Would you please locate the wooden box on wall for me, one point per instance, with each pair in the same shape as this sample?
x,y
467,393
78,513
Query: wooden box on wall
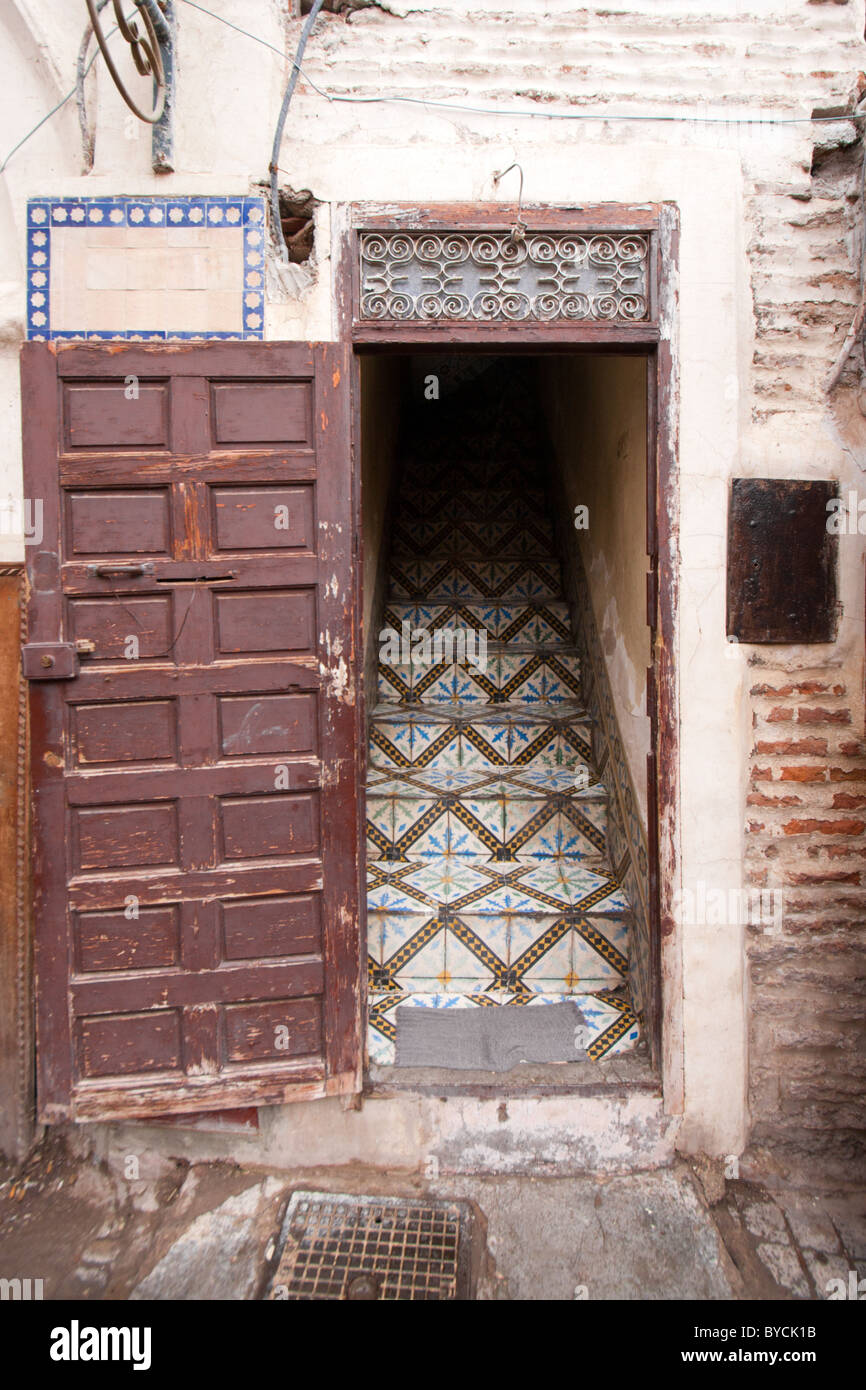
x,y
781,561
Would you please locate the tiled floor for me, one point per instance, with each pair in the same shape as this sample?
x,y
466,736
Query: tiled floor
x,y
488,881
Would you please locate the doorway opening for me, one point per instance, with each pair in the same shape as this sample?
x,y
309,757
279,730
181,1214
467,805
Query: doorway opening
x,y
503,507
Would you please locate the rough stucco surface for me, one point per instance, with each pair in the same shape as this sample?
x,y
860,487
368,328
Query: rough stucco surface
x,y
598,424
768,286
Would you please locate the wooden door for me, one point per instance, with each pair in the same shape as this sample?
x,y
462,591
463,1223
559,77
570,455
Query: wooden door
x,y
195,729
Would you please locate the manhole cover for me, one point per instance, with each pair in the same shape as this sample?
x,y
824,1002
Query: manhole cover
x,y
340,1247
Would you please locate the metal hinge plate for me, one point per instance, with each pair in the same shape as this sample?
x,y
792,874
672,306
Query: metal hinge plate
x,y
49,661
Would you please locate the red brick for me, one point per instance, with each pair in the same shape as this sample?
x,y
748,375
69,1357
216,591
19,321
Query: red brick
x,y
824,827
800,746
779,713
836,877
851,750
754,826
803,774
758,799
845,801
797,688
823,716
762,774
848,774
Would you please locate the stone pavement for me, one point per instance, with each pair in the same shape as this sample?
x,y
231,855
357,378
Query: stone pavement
x,y
165,1229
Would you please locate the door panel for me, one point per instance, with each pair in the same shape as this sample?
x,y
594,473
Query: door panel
x,y
196,782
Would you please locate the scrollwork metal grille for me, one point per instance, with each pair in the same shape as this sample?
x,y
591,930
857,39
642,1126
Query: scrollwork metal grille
x,y
490,276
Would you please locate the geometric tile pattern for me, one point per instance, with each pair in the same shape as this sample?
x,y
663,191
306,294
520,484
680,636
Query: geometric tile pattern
x,y
626,833
489,880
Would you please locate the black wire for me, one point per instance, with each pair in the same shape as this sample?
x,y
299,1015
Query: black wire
x,y
157,656
457,106
71,93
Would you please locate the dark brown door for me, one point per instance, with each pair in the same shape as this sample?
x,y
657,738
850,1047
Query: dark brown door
x,y
192,662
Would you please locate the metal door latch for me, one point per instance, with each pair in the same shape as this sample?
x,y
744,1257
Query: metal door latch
x,y
120,571
49,661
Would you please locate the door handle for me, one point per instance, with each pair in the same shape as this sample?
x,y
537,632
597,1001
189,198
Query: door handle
x,y
120,571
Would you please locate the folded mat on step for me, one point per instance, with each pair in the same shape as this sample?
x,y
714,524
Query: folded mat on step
x,y
490,1038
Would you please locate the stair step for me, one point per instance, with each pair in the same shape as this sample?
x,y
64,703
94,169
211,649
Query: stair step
x,y
541,952
612,1028
495,677
507,825
565,712
474,580
476,746
493,888
472,536
472,504
545,623
489,881
533,782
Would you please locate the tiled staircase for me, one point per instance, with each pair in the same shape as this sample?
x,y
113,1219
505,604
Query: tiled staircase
x,y
488,881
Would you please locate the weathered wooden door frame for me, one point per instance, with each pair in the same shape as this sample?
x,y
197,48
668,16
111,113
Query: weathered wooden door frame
x,y
656,339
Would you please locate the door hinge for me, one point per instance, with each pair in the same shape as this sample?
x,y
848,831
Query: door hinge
x,y
652,598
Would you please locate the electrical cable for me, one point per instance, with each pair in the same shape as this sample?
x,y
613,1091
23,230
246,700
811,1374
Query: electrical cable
x,y
71,93
526,111
277,225
511,112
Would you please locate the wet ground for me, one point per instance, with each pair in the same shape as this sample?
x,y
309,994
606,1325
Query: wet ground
x,y
157,1228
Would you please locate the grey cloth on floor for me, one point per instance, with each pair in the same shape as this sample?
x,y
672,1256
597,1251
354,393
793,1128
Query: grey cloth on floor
x,y
489,1038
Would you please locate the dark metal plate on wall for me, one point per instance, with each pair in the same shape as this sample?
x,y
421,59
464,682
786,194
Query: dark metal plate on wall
x,y
781,561
338,1247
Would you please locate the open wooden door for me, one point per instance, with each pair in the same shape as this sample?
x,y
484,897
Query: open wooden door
x,y
195,734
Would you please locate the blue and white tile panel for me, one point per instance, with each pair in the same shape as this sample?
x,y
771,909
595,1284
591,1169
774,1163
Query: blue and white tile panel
x,y
45,215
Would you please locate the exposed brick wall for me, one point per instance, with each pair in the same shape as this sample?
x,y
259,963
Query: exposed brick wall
x,y
806,823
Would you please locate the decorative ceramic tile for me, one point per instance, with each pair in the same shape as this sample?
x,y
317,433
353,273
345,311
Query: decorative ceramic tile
x,y
561,677
490,881
541,625
521,677
413,960
484,746
419,617
145,269
432,536
395,682
380,826
391,745
626,832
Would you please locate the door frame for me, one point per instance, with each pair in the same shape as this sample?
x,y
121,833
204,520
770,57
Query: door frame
x,y
655,338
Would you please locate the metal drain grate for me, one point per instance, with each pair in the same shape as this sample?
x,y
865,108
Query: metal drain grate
x,y
340,1247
